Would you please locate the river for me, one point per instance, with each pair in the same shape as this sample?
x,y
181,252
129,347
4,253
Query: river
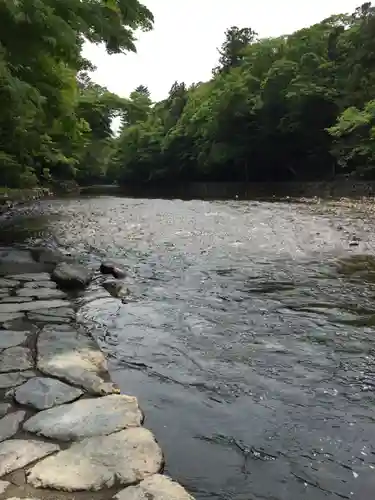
x,y
248,335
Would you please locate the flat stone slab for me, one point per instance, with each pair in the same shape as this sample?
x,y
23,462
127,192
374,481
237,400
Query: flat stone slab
x,y
30,277
41,293
10,424
16,453
15,359
126,457
7,283
5,317
42,393
15,300
40,284
9,338
71,356
3,486
32,306
14,379
156,487
4,408
86,418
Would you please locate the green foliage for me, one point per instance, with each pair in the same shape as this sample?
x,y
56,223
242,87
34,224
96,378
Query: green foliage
x,y
296,107
51,115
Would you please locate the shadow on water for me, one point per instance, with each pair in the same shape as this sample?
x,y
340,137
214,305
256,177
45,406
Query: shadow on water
x,y
247,336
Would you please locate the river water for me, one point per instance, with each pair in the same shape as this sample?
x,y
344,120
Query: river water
x,y
247,336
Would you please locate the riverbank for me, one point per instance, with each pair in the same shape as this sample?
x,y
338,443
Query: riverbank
x,y
65,429
9,198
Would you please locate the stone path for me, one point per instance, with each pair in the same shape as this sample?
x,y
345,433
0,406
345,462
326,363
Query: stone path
x,y
64,427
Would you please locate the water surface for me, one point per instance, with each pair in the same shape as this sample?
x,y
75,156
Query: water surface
x,y
247,337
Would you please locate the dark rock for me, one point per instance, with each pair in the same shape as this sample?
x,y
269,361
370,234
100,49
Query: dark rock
x,y
19,261
72,275
111,268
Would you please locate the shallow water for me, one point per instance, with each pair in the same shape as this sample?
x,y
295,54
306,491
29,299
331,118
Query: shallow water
x,y
247,337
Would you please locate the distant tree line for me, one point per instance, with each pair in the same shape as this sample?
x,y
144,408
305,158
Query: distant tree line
x,y
297,107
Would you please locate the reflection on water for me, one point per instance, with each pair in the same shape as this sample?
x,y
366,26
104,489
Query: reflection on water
x,y
248,336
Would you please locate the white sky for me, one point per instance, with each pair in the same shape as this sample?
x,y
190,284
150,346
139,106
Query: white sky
x,y
187,33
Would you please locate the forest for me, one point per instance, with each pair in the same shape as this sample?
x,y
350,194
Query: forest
x,y
296,107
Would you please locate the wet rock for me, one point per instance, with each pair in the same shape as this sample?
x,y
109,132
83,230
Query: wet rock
x,y
95,463
3,486
16,453
15,359
4,408
41,293
31,306
15,379
9,338
31,277
42,393
10,424
5,317
111,268
116,288
87,418
72,275
156,487
73,357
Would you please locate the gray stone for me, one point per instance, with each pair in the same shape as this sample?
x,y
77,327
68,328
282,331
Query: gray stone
x,y
156,487
41,293
3,486
16,453
40,284
15,359
4,317
10,424
19,256
8,338
31,306
116,288
4,408
86,418
15,300
66,312
30,277
6,283
72,275
126,457
14,379
71,356
45,393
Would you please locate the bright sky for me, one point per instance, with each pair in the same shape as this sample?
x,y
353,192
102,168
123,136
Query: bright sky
x,y
183,45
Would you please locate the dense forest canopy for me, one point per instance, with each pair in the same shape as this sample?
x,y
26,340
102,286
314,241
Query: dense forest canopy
x,y
296,107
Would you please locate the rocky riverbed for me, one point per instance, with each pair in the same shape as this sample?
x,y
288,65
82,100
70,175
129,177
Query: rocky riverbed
x,y
65,429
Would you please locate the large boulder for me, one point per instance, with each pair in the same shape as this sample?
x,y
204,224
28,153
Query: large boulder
x,y
72,275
